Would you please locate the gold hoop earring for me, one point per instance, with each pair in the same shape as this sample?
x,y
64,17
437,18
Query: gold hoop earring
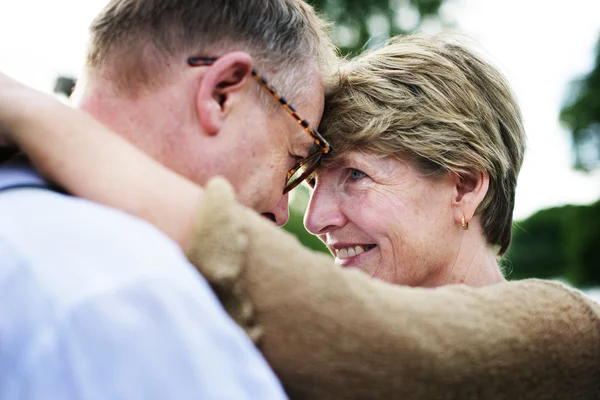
x,y
464,223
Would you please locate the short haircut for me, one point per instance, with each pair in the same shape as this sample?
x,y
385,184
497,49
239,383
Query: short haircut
x,y
138,38
434,102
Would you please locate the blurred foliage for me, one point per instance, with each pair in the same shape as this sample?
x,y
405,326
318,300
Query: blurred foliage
x,y
538,246
581,115
358,21
561,242
295,225
583,245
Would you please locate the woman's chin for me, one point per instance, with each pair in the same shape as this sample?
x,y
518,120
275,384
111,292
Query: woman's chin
x,y
357,260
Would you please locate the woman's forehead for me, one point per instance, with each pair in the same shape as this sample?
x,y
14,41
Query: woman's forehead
x,y
358,159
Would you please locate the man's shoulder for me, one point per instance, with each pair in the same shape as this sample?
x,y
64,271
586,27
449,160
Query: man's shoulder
x,y
32,213
64,240
119,299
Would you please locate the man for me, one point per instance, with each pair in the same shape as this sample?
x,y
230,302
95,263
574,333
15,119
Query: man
x,y
98,304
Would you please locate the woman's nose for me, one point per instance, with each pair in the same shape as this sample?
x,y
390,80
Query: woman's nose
x,y
323,213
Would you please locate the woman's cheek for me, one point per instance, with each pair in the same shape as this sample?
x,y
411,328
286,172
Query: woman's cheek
x,y
372,210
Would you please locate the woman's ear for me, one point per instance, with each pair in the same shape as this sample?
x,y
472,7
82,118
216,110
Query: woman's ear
x,y
469,191
221,88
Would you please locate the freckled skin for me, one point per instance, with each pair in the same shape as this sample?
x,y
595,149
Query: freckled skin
x,y
389,204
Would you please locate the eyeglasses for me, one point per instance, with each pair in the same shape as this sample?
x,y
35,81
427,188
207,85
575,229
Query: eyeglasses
x,y
303,168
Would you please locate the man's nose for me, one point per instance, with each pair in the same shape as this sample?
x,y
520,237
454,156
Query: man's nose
x,y
323,213
280,213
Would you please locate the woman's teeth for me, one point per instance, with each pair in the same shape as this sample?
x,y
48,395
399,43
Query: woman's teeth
x,y
348,252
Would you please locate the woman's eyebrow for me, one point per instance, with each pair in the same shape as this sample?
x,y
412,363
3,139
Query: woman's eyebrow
x,y
355,160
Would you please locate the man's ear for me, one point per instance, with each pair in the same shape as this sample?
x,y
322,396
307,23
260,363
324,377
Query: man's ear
x,y
222,85
469,191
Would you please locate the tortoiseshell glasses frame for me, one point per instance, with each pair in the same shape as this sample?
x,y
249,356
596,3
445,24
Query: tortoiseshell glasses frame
x,y
303,168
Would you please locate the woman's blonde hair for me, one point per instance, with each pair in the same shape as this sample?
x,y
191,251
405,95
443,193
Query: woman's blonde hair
x,y
431,100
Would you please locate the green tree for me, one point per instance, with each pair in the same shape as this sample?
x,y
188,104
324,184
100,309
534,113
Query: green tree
x,y
582,233
538,246
358,21
581,115
560,242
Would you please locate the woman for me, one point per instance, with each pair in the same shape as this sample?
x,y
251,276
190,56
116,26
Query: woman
x,y
423,181
334,333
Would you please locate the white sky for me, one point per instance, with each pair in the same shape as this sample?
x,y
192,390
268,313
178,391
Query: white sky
x,y
539,44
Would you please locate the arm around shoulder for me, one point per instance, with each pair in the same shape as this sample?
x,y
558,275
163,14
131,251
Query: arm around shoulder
x,y
333,333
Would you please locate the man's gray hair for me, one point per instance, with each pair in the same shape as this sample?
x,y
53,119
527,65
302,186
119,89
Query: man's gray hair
x,y
137,38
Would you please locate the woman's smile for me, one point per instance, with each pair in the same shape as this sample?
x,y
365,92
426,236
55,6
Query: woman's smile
x,y
351,255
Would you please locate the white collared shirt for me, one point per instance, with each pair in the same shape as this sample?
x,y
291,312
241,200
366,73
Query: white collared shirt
x,y
97,304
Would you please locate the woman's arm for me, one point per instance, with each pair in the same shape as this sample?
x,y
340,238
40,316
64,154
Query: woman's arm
x,y
333,333
72,149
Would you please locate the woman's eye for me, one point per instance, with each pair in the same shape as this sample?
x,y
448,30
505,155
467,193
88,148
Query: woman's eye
x,y
356,174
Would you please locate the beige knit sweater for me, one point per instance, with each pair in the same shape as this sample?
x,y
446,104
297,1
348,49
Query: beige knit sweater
x,y
330,333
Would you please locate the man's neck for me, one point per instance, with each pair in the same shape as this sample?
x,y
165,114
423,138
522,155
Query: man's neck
x,y
147,119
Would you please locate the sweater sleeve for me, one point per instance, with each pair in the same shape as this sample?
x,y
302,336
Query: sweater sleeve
x,y
331,333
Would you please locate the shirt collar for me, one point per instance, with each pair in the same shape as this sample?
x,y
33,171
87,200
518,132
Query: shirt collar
x,y
18,172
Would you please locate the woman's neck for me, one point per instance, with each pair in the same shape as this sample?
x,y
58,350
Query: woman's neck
x,y
481,270
475,263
